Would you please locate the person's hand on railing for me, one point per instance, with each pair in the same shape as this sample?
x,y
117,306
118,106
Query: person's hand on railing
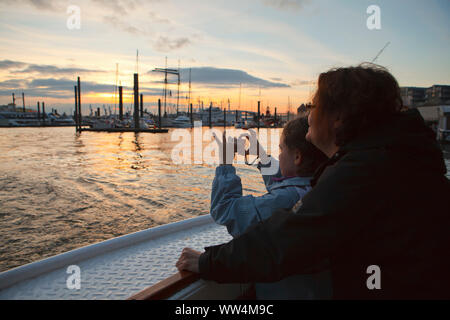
x,y
188,260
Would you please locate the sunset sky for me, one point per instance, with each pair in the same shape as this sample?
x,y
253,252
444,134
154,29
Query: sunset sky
x,y
274,48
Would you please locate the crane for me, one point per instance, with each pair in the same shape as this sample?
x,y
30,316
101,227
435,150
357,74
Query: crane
x,y
167,71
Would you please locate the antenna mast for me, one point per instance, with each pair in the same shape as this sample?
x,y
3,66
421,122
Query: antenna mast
x,y
240,89
115,88
381,51
178,93
189,103
137,61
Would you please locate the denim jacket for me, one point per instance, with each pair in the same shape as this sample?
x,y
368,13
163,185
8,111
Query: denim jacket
x,y
229,207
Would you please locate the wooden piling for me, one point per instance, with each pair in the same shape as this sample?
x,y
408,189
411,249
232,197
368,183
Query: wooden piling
x,y
23,101
38,111
159,113
191,115
259,114
142,105
43,111
136,101
210,107
79,103
77,125
120,103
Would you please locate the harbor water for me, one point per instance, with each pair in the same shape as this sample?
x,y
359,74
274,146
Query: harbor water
x,y
60,190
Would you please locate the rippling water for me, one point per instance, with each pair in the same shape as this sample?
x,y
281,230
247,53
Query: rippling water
x,y
60,191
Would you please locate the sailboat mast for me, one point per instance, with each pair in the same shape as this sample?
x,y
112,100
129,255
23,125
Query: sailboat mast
x,y
178,93
240,88
165,89
115,88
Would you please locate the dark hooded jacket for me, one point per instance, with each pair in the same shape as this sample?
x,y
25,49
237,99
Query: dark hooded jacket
x,y
382,200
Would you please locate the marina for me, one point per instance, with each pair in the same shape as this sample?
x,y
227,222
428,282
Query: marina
x,y
231,150
98,200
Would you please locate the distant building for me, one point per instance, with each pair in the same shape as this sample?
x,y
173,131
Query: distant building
x,y
414,97
438,94
11,107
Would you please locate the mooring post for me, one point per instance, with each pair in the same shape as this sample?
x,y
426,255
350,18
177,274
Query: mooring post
x,y
76,109
120,104
210,107
259,114
38,111
159,113
136,101
43,111
191,115
79,103
142,105
257,119
276,116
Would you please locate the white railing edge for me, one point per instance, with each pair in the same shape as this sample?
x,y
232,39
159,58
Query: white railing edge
x,y
13,276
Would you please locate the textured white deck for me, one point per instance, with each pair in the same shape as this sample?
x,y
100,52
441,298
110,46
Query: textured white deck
x,y
120,273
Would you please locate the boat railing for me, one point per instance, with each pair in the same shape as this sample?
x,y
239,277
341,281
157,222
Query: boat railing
x,y
167,287
186,285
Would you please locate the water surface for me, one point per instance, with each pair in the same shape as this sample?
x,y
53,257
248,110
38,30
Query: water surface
x,y
60,190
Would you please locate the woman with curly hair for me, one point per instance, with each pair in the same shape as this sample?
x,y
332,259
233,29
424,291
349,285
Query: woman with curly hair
x,y
377,215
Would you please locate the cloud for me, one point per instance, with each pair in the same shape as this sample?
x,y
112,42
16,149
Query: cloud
x,y
286,4
303,82
53,70
62,88
123,25
164,44
217,77
119,7
157,19
9,64
38,4
12,84
24,67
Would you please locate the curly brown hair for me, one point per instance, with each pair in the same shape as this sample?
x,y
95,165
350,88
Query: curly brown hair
x,y
294,133
361,97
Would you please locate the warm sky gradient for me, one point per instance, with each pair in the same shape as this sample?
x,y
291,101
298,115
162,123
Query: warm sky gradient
x,y
275,48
